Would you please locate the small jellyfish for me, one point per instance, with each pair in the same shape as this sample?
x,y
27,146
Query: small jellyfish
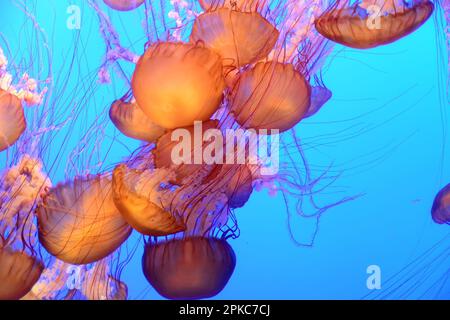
x,y
319,96
132,122
168,154
239,37
176,84
12,119
123,5
236,181
440,211
79,222
135,194
99,284
372,23
271,95
18,273
190,268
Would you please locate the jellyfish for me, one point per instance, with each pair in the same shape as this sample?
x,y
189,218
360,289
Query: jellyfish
x,y
271,95
79,222
12,119
372,23
236,181
99,284
123,5
169,154
176,84
189,268
18,273
241,5
136,195
132,122
319,96
440,211
240,38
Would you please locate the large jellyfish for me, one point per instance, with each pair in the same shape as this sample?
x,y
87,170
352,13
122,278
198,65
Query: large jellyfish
x,y
136,197
271,95
176,84
239,37
191,268
79,222
371,23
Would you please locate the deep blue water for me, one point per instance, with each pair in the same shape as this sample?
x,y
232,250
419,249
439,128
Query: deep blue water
x,y
382,130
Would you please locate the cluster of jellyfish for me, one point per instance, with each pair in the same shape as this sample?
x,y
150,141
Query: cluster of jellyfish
x,y
229,64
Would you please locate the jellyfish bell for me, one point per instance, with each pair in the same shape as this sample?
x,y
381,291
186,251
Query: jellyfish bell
x,y
123,5
240,38
271,95
99,284
176,84
190,268
241,5
18,273
78,221
12,119
320,95
169,151
135,193
354,27
235,180
132,122
440,211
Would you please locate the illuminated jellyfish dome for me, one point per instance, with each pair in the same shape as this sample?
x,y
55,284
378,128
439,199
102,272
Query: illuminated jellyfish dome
x,y
155,151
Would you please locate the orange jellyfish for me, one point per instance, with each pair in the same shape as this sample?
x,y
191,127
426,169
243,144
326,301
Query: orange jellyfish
x,y
236,181
12,119
239,37
372,23
18,273
123,5
176,84
190,268
167,155
99,284
132,122
79,222
241,5
440,211
136,195
271,95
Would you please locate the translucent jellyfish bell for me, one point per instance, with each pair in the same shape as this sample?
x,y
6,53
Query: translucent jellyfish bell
x,y
176,84
166,152
191,268
271,95
18,273
354,27
99,284
236,181
440,210
241,5
12,119
239,37
79,222
132,122
135,194
123,5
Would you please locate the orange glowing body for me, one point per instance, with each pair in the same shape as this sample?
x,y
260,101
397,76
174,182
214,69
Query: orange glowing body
x,y
176,84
